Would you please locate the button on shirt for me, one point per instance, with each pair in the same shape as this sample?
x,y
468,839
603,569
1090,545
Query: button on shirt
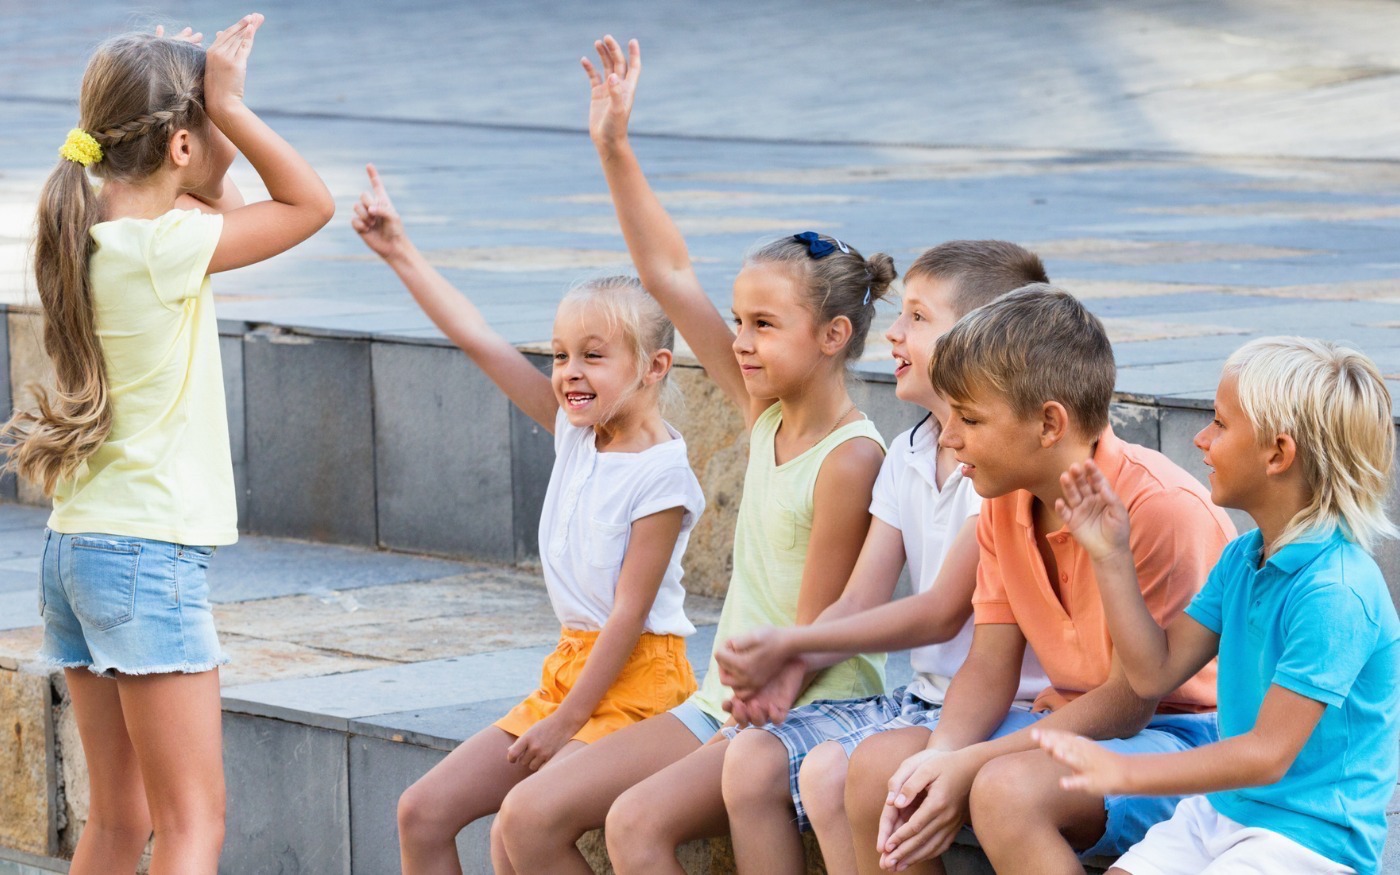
x,y
1316,619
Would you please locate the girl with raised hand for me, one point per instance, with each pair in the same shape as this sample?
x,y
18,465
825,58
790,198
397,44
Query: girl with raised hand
x,y
618,512
133,442
802,307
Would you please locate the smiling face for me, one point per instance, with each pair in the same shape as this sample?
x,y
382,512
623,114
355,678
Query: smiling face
x,y
1238,463
775,338
925,314
595,372
996,446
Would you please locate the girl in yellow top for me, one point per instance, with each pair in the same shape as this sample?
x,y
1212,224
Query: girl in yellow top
x,y
133,443
802,307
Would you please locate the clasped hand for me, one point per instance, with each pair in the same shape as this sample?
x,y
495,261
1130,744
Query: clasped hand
x,y
926,807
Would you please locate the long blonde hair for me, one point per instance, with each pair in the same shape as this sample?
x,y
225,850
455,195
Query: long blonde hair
x,y
1334,404
137,91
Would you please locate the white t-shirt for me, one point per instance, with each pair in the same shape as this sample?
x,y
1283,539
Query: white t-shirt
x,y
592,500
908,497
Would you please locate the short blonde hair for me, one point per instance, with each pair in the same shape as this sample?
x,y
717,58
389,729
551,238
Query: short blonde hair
x,y
1334,403
1033,345
625,306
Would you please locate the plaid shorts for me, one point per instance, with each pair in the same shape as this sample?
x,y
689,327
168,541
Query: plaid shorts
x,y
845,721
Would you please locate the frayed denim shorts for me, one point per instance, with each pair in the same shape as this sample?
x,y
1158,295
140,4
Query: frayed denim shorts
x,y
119,605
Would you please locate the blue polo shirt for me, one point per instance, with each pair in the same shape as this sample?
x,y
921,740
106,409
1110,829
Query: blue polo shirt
x,y
1316,619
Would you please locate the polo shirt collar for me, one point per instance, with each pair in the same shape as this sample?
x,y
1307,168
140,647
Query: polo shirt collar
x,y
1295,555
1108,455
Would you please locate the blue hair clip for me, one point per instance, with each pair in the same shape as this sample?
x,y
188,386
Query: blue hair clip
x,y
816,246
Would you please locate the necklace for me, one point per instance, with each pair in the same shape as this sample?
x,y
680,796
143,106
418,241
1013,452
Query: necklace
x,y
832,430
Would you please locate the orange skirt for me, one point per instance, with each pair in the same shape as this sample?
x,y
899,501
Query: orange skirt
x,y
656,678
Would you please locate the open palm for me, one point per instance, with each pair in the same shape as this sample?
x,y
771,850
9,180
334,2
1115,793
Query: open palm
x,y
614,84
1092,511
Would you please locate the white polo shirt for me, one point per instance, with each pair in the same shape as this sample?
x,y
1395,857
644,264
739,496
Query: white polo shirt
x,y
908,497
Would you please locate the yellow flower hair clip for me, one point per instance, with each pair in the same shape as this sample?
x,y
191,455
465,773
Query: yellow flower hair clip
x,y
80,147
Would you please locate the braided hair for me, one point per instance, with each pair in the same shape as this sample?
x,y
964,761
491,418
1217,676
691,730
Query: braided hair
x,y
137,92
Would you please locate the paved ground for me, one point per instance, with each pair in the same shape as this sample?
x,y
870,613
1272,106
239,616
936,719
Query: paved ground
x,y
1201,173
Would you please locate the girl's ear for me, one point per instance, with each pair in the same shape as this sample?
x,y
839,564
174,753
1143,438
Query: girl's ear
x,y
1054,423
659,366
836,335
181,148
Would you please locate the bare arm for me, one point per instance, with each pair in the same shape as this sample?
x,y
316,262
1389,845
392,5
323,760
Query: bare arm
x,y
1260,756
300,204
1155,661
649,548
655,243
381,228
864,620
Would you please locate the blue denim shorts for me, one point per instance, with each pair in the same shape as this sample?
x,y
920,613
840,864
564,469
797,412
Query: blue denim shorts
x,y
119,605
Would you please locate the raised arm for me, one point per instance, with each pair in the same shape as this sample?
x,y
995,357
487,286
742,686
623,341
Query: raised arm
x,y
1155,661
300,204
655,243
381,228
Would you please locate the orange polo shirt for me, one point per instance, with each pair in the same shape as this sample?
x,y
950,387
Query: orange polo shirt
x,y
1177,536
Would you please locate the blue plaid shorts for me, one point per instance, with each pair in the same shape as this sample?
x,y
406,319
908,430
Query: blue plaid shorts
x,y
845,721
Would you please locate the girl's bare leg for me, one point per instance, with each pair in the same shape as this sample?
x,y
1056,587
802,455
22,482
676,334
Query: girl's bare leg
x,y
679,803
174,723
822,781
119,823
758,798
469,783
542,819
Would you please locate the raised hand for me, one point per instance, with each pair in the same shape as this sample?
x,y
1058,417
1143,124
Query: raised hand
x,y
226,65
376,220
749,661
1096,769
188,35
926,807
614,88
1092,511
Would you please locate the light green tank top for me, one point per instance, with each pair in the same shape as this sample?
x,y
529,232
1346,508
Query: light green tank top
x,y
770,548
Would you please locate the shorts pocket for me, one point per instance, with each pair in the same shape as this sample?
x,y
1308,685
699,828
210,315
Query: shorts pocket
x,y
607,542
103,572
48,563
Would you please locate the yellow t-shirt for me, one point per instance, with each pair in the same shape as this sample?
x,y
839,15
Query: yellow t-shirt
x,y
166,471
770,551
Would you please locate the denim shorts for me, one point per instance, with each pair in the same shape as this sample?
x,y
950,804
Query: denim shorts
x,y
700,724
119,605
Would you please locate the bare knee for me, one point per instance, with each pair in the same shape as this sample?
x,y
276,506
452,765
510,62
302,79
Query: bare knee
x,y
868,775
532,823
822,782
1015,797
419,816
125,833
755,773
635,844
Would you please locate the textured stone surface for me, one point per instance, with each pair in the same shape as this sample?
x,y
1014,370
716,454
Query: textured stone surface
x,y
310,438
531,461
442,432
288,799
27,771
231,356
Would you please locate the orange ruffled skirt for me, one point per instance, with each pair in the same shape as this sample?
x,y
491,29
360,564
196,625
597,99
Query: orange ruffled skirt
x,y
656,678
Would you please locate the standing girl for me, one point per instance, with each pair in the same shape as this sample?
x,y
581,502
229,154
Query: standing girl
x,y
802,307
618,512
133,444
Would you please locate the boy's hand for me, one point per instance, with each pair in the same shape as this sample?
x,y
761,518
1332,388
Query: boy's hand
x,y
541,742
926,807
376,220
226,66
610,105
747,662
187,35
1096,770
1092,511
772,702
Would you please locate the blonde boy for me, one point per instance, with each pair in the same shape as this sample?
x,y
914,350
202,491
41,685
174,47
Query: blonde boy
x,y
1298,612
923,512
1029,378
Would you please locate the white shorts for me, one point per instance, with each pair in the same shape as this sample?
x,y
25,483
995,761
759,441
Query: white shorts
x,y
1199,839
